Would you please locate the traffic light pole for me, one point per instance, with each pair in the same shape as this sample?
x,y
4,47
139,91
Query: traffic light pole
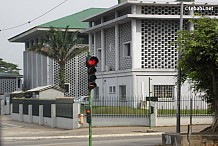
x,y
91,62
90,124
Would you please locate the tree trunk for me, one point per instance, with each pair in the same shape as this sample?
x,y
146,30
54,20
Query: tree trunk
x,y
214,126
62,75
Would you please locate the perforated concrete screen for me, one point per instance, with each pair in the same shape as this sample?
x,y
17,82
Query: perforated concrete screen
x,y
75,75
124,11
7,85
98,46
175,10
162,10
124,37
156,51
110,48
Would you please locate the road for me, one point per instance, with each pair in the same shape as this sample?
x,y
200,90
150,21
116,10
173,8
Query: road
x,y
112,141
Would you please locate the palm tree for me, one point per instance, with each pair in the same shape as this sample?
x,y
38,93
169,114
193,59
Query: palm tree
x,y
7,67
60,46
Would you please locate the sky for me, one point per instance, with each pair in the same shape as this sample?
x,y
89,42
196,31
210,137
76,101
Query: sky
x,y
17,12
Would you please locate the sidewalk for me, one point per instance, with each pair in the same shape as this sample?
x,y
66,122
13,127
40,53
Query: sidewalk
x,y
15,130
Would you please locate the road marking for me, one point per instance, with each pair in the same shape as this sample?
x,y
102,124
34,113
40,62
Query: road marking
x,y
82,136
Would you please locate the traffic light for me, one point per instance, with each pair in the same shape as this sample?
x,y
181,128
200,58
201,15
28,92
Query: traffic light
x,y
91,62
152,109
88,116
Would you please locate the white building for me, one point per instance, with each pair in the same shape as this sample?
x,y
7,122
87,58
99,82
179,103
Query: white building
x,y
40,70
132,41
46,92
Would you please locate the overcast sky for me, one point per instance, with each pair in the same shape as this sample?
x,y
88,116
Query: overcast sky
x,y
16,12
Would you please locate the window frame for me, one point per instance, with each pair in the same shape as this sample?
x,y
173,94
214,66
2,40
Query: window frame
x,y
65,84
168,91
127,50
112,89
99,56
96,93
122,98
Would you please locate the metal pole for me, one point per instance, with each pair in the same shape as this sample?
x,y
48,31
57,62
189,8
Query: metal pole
x,y
149,96
179,77
90,124
90,107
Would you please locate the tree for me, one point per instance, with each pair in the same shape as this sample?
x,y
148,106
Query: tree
x,y
6,67
60,46
199,61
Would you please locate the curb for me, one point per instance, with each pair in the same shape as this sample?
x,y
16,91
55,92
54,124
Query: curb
x,y
82,136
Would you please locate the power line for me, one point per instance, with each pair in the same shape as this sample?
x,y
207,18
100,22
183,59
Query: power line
x,y
9,28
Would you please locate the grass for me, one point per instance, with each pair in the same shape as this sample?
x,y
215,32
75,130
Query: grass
x,y
116,110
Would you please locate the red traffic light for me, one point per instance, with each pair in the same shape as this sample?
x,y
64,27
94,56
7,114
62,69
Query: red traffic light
x,y
88,111
91,61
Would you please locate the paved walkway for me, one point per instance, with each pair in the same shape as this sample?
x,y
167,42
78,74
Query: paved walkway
x,y
15,130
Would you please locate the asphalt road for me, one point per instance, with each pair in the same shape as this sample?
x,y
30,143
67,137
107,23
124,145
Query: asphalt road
x,y
112,141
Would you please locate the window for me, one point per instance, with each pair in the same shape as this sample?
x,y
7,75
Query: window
x,y
164,91
126,49
67,87
27,45
19,83
122,92
99,54
112,89
96,93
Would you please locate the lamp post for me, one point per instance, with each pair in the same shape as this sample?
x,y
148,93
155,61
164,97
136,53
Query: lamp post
x,y
178,114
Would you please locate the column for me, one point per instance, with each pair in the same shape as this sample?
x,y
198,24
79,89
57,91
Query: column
x,y
20,112
30,114
41,118
90,42
76,111
117,47
102,50
53,115
136,44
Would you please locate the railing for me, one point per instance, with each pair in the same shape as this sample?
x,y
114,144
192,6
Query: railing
x,y
196,107
64,107
136,107
114,107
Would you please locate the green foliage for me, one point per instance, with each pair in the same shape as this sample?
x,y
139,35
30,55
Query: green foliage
x,y
6,67
199,61
61,46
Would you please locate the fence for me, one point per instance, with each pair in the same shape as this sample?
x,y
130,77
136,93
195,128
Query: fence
x,y
61,113
113,107
195,106
64,107
135,107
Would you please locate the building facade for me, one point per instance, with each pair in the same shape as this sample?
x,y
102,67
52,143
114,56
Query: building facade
x,y
132,41
10,83
40,70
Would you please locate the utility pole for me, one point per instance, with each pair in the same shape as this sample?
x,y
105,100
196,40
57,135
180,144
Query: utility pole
x,y
178,113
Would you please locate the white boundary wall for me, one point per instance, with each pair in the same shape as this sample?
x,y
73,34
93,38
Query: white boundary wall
x,y
171,121
67,123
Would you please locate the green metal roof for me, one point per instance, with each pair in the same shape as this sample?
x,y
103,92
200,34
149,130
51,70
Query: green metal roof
x,y
74,20
9,75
